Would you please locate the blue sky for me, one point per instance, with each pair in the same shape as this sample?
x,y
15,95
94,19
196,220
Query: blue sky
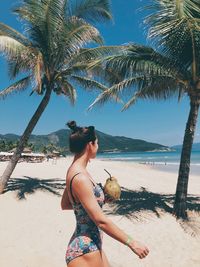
x,y
161,122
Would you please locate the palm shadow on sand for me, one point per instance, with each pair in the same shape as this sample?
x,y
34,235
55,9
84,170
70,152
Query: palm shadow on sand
x,y
143,205
29,185
137,205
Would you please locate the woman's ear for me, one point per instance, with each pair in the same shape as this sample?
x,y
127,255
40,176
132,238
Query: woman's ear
x,y
88,146
91,146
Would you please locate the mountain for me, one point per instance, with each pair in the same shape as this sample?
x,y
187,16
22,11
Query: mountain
x,y
195,147
9,137
107,143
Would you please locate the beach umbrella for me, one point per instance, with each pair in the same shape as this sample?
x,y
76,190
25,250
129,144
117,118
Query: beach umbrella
x,y
27,150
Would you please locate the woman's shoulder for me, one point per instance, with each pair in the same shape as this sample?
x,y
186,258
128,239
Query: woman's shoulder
x,y
79,173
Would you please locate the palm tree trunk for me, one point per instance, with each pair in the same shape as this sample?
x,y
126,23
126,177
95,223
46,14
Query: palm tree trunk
x,y
23,140
180,205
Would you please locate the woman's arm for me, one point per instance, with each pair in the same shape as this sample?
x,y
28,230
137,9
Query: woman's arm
x,y
65,202
90,204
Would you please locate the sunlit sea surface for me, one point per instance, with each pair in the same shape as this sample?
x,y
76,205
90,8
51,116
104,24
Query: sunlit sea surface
x,y
171,157
165,161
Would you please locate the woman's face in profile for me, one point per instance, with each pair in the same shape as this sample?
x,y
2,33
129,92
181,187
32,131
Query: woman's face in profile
x,y
94,148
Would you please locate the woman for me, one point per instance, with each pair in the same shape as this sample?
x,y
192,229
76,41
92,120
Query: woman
x,y
86,198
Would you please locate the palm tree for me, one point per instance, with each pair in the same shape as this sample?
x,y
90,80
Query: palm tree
x,y
44,150
47,53
171,69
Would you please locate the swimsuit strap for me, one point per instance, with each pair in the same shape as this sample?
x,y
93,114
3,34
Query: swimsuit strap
x,y
70,186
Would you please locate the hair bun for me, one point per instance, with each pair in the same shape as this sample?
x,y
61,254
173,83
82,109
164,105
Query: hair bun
x,y
91,128
72,125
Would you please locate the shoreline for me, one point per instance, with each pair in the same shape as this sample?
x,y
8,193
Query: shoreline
x,y
160,166
172,168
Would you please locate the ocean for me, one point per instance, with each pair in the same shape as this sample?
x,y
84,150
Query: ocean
x,y
164,161
158,158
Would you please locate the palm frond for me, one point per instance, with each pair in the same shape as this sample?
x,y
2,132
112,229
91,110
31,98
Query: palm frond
x,y
30,10
59,36
24,62
103,98
59,27
16,87
6,30
18,49
174,27
38,70
20,57
54,24
143,86
76,27
78,68
156,92
91,10
10,46
136,59
161,89
56,14
13,48
76,33
67,89
181,93
93,61
149,86
98,53
131,101
88,83
38,23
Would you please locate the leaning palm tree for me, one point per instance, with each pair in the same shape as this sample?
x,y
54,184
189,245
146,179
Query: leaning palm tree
x,y
171,69
47,53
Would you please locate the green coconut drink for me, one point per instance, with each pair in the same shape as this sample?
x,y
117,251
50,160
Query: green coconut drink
x,y
112,188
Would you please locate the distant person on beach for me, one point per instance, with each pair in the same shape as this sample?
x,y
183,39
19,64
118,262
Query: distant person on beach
x,y
86,198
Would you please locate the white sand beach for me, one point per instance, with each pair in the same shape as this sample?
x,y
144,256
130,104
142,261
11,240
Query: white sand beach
x,y
34,231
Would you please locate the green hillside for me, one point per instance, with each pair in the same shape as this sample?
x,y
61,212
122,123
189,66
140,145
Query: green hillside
x,y
195,147
106,142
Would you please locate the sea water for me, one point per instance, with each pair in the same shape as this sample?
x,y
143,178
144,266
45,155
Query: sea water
x,y
157,158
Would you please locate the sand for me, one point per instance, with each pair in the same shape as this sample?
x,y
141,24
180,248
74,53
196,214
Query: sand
x,y
34,231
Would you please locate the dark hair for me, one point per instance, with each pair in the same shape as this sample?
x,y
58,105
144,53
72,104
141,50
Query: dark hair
x,y
80,137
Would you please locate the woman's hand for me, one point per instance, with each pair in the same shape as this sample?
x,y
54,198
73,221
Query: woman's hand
x,y
139,249
108,199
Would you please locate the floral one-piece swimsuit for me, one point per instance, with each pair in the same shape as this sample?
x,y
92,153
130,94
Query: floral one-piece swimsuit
x,y
87,237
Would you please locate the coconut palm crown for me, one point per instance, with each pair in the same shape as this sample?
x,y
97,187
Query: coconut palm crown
x,y
170,69
46,56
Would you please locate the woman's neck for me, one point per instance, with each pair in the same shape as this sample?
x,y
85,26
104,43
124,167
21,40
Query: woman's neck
x,y
82,160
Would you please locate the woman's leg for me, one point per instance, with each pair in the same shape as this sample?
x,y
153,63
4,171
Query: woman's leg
x,y
96,258
105,260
